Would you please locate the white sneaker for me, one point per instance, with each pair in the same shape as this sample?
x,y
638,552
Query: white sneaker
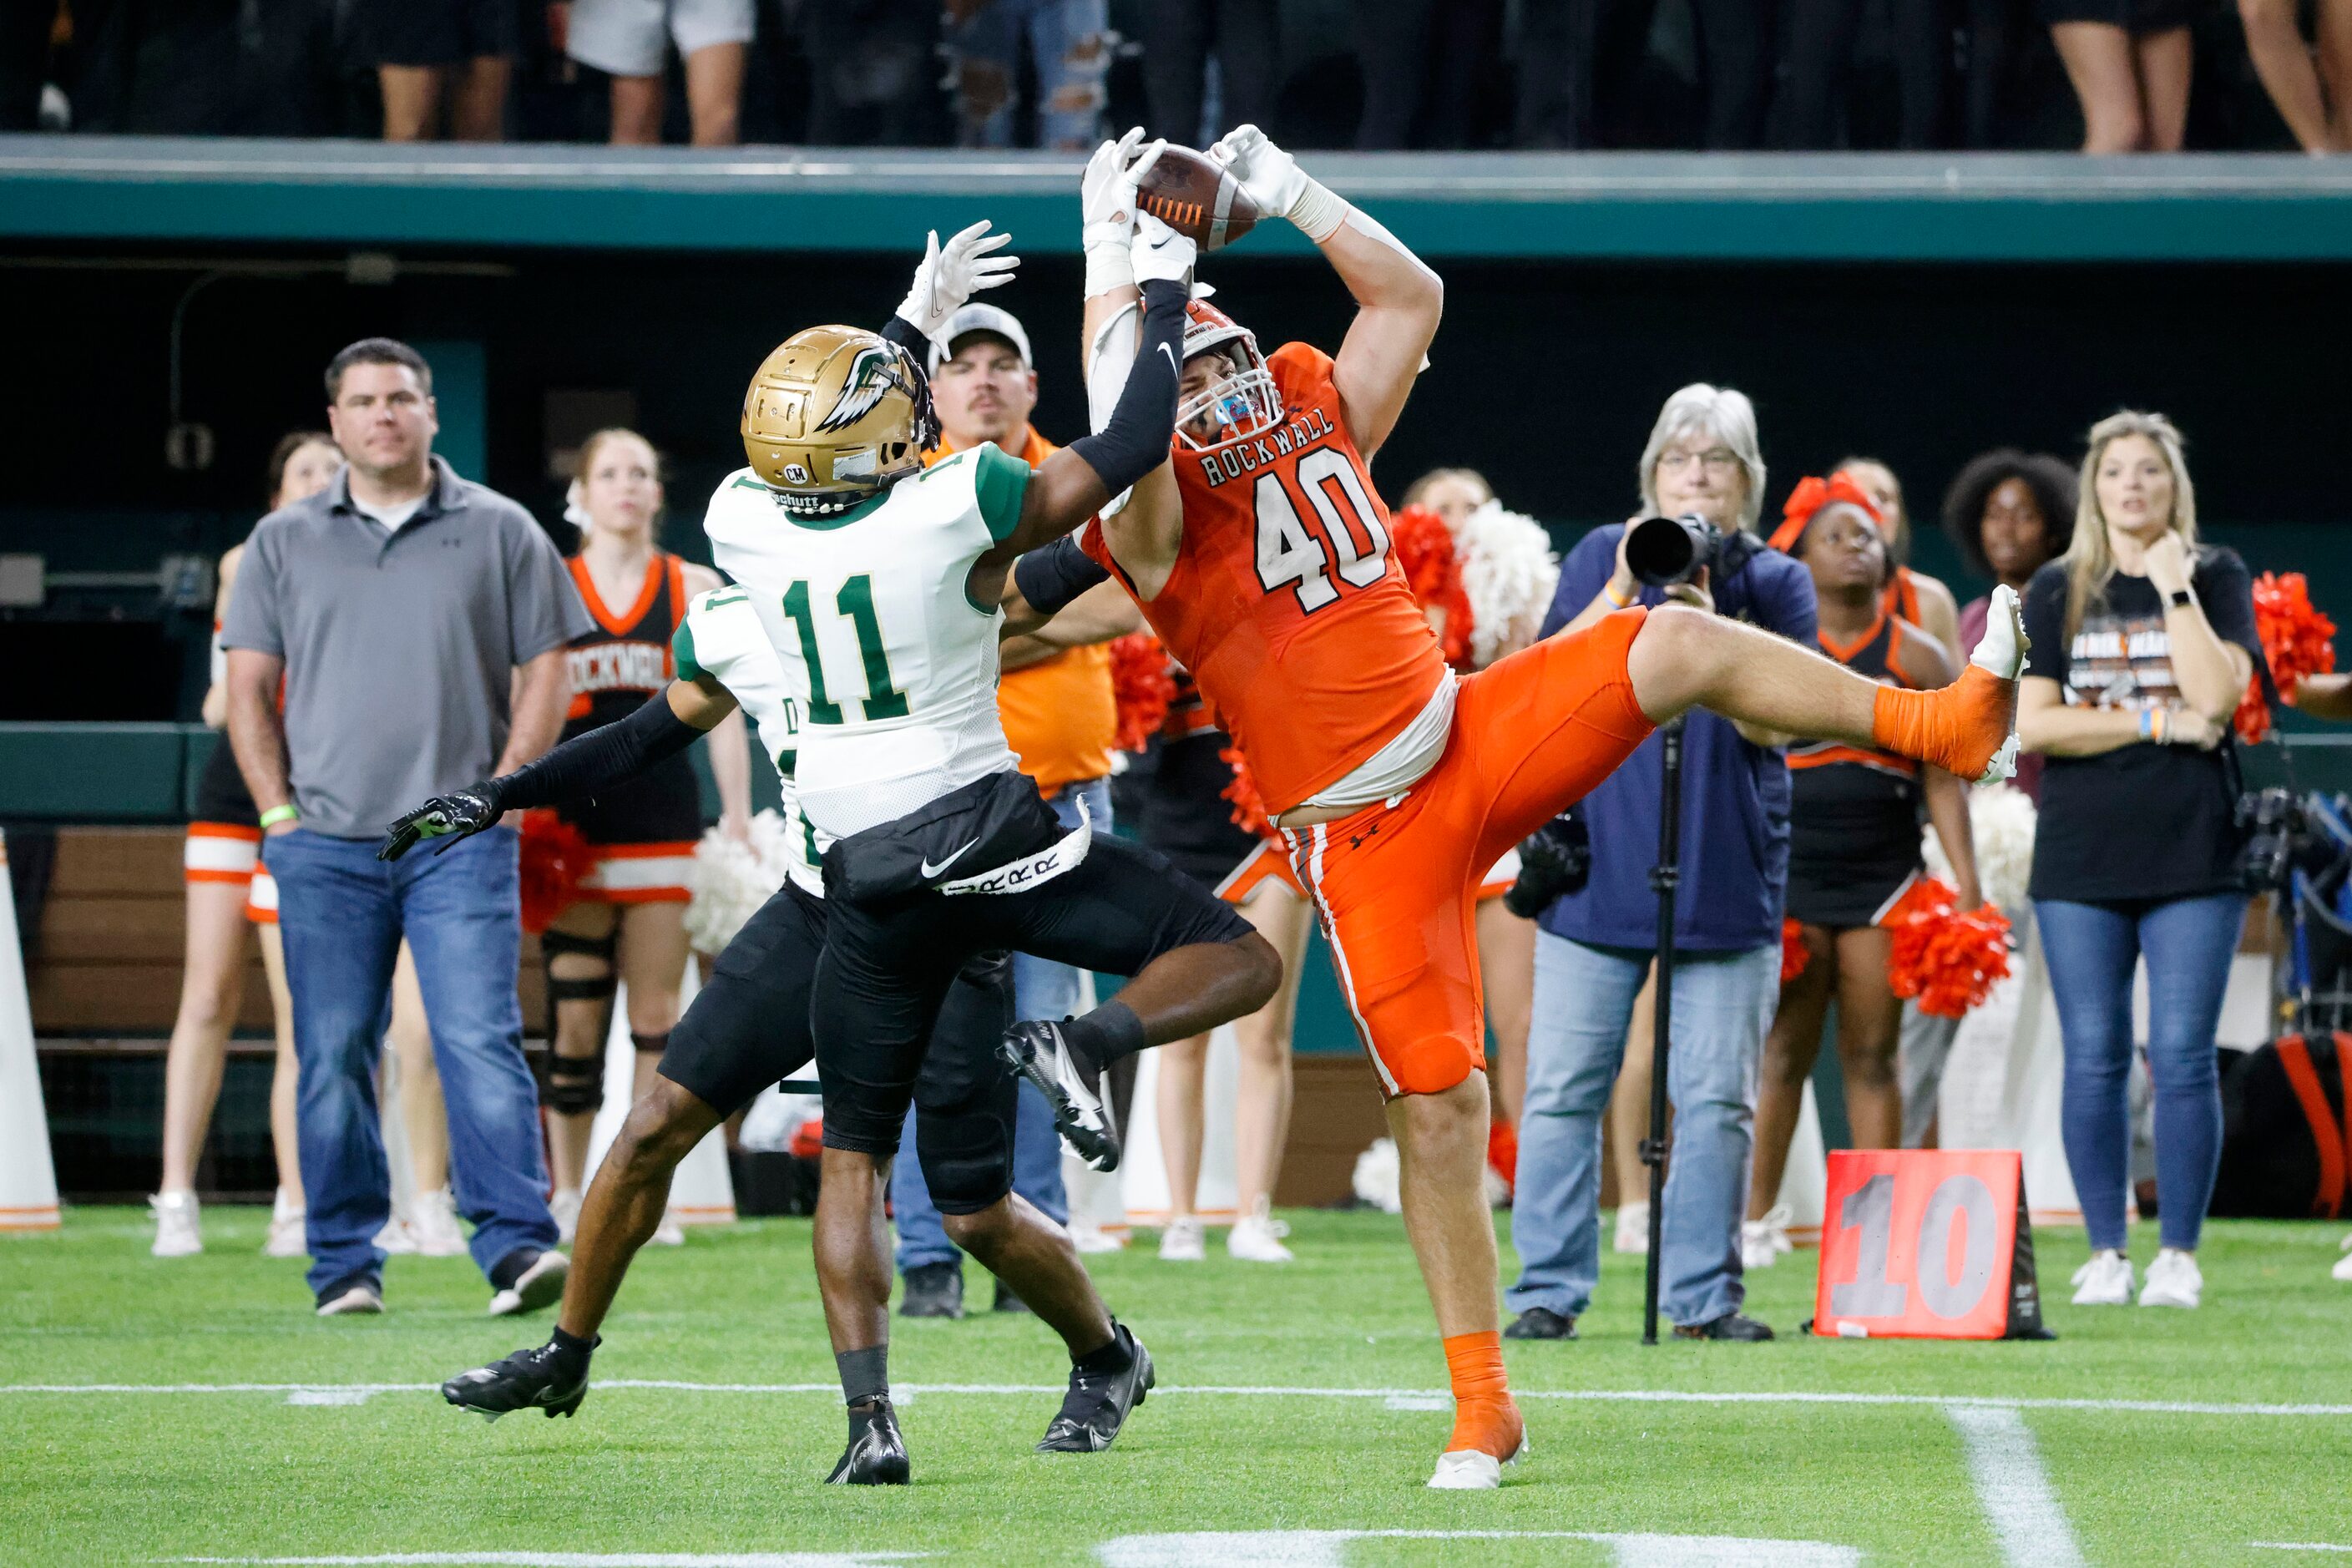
x,y
178,1233
1472,1470
1257,1238
564,1205
395,1237
2105,1281
2173,1280
1633,1228
2000,652
1183,1241
1089,1236
287,1239
1761,1242
2343,1269
541,1285
358,1299
434,1226
669,1232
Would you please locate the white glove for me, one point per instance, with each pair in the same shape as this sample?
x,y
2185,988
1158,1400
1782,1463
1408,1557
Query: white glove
x,y
953,273
1159,254
1106,208
1276,182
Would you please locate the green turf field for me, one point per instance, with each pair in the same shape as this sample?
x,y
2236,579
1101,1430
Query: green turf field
x,y
179,1468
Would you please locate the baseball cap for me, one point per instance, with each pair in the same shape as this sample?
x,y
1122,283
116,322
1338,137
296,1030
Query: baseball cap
x,y
980,318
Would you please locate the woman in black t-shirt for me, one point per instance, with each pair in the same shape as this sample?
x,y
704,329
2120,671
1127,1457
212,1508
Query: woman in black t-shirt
x,y
2143,642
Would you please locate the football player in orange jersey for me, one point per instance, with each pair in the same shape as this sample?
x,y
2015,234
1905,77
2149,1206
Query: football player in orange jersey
x,y
1259,553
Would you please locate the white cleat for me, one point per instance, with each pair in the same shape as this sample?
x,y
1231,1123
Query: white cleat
x,y
2173,1280
177,1231
287,1236
670,1232
2105,1281
1472,1470
2343,1269
1183,1241
564,1205
434,1226
358,1301
1257,1238
2000,652
1633,1228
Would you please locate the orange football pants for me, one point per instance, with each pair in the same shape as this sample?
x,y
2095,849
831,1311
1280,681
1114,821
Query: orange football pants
x,y
1396,886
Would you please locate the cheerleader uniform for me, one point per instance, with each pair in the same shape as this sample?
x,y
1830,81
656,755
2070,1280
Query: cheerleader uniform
x,y
1854,838
643,832
224,842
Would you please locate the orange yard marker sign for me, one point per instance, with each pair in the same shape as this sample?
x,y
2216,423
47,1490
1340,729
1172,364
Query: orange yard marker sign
x,y
1927,1244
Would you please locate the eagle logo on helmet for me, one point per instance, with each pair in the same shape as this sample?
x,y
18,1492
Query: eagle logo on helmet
x,y
871,374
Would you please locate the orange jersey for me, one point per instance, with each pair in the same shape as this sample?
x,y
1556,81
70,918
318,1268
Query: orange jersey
x,y
1285,602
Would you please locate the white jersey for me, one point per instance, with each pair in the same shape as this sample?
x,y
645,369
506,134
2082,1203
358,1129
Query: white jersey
x,y
888,667
722,637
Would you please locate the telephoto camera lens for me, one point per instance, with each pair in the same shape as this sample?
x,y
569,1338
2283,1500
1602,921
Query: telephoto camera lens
x,y
1660,551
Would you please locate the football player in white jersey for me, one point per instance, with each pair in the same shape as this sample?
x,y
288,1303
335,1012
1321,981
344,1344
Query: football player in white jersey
x,y
862,641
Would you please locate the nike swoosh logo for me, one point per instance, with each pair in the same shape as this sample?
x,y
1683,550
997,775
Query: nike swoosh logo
x,y
1164,244
931,871
1171,359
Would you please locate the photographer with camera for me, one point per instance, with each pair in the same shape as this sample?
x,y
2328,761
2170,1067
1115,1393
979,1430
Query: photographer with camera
x,y
1702,484
2143,641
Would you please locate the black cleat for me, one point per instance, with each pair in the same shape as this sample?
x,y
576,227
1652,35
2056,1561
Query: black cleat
x,y
1037,1051
876,1455
1541,1323
540,1378
1736,1326
1095,1407
933,1290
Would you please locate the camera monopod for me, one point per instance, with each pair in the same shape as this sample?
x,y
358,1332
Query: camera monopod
x,y
1662,878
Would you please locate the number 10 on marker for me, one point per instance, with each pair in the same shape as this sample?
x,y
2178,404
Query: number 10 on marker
x,y
1927,1243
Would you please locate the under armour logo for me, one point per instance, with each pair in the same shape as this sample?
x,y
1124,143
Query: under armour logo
x,y
1356,840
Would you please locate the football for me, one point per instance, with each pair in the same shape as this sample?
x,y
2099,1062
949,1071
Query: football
x,y
1195,196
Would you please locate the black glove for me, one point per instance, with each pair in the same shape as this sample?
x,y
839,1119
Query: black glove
x,y
457,815
1555,859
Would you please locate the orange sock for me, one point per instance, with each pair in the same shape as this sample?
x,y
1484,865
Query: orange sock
x,y
1484,1416
1958,728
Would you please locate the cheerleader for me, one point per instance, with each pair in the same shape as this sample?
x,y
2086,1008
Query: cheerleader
x,y
626,921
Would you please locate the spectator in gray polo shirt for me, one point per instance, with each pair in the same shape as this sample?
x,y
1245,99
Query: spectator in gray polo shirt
x,y
418,622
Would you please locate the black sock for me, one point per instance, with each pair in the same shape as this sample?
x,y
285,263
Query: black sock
x,y
571,1349
1110,1360
865,1374
1104,1036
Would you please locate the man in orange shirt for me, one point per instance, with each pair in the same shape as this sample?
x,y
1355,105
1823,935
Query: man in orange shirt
x,y
1060,717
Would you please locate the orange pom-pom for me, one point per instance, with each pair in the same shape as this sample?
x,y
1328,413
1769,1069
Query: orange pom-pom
x,y
554,858
1794,954
2296,642
1249,806
1949,959
1142,687
1423,547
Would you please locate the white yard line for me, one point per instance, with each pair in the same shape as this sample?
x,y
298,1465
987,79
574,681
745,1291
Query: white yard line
x,y
1405,1398
2005,1465
591,1559
2298,1546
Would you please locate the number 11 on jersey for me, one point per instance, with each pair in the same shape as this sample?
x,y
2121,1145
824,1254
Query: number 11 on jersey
x,y
883,699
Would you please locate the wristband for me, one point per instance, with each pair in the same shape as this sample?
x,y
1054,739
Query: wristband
x,y
1109,266
277,814
1608,592
1317,212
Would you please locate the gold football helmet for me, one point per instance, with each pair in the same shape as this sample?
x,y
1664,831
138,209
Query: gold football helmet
x,y
835,417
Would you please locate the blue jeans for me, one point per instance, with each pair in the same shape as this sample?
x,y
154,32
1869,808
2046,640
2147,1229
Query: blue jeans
x,y
2091,951
1073,58
342,913
1040,990
1723,1004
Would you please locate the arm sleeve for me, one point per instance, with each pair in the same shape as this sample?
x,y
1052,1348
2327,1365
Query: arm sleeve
x,y
1051,577
903,332
1136,440
544,609
252,619
605,756
2045,625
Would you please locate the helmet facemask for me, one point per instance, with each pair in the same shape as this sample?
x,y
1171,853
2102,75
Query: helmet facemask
x,y
1239,402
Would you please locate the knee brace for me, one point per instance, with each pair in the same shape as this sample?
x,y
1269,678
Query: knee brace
x,y
967,1149
557,945
650,1044
572,1086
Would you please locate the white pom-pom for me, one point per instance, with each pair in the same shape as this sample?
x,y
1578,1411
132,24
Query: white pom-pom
x,y
731,879
1377,1177
2000,820
1508,574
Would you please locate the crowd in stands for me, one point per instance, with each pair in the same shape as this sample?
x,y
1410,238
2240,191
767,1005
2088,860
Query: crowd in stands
x,y
2109,75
